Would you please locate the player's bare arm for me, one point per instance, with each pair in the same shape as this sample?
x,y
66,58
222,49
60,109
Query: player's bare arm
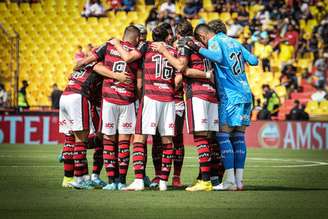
x,y
139,82
179,63
125,55
106,72
178,80
87,60
195,73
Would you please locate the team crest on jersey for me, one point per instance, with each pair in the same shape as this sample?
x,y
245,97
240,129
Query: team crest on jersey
x,y
214,46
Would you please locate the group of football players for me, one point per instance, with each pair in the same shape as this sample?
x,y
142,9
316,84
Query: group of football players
x,y
131,88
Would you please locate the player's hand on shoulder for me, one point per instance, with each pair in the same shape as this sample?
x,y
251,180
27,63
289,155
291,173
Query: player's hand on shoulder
x,y
158,46
190,43
115,41
122,77
210,75
78,66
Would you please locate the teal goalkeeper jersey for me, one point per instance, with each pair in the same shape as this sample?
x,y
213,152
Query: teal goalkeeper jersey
x,y
229,58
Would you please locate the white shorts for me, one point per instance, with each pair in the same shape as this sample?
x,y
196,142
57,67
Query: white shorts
x,y
201,115
154,114
118,117
74,114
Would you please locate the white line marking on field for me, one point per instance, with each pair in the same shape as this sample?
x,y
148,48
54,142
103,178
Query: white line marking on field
x,y
301,163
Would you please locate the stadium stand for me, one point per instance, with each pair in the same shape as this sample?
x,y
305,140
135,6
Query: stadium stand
x,y
51,30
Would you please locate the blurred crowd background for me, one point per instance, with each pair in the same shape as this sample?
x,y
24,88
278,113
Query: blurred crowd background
x,y
290,37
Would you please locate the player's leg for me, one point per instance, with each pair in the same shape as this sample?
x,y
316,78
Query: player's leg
x,y
201,141
230,117
96,142
238,142
98,161
227,155
138,158
166,127
67,155
190,124
69,141
80,161
126,127
157,158
217,169
178,151
110,114
146,119
81,120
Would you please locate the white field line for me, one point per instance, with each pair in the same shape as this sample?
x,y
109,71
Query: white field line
x,y
301,163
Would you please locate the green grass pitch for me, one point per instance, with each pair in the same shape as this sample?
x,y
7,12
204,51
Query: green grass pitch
x,y
279,184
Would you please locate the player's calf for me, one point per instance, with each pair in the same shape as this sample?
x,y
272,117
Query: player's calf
x,y
238,141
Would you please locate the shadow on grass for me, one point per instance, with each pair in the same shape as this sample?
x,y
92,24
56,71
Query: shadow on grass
x,y
281,188
255,188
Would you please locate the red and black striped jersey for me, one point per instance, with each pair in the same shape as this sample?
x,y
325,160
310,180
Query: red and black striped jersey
x,y
158,74
85,82
198,87
114,91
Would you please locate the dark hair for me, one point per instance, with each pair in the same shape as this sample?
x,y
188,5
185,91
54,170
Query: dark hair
x,y
201,27
297,102
159,33
165,25
2,86
184,28
217,26
131,30
265,86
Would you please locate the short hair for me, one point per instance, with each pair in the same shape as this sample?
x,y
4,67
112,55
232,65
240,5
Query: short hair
x,y
265,86
159,33
166,26
131,30
218,26
297,102
184,28
142,28
201,28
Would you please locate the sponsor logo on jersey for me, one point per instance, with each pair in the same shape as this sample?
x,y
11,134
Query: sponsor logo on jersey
x,y
121,90
109,125
127,125
204,121
162,86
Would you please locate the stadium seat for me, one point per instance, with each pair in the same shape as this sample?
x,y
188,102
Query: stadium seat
x,y
3,7
324,106
281,91
311,106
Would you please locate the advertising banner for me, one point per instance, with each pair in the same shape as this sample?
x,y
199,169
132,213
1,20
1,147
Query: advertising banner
x,y
43,129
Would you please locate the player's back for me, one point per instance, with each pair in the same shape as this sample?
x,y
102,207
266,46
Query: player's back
x,y
114,91
84,81
158,75
198,87
232,81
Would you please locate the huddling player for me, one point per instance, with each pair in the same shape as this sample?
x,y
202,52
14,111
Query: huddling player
x,y
156,109
201,105
235,96
77,119
118,106
178,146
